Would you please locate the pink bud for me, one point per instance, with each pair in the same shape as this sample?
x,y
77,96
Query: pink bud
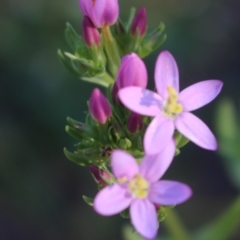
x,y
99,107
132,72
139,22
101,12
100,176
91,35
134,122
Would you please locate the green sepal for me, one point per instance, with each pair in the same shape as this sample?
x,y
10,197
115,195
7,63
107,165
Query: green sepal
x,y
125,213
66,63
130,19
74,40
82,128
177,152
73,132
183,141
88,64
79,159
88,200
152,41
125,143
161,213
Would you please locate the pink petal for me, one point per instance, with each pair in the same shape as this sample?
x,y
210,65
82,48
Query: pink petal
x,y
123,164
112,200
199,94
144,218
141,100
196,130
166,74
105,12
167,192
158,134
153,167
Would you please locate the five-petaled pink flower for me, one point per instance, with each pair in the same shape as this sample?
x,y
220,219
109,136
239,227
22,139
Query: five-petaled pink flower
x,y
138,188
171,108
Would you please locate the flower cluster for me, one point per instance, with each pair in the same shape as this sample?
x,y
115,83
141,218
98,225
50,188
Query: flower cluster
x,y
133,131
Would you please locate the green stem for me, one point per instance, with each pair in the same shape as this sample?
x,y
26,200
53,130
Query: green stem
x,y
111,50
108,79
175,227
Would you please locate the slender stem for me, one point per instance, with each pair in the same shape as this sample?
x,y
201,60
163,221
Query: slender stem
x,y
111,50
175,226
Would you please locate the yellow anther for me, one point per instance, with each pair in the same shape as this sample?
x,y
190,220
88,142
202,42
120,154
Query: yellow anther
x,y
172,93
179,108
138,186
172,107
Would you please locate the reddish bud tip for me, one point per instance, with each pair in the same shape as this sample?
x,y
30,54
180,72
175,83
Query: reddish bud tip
x,y
100,176
139,22
91,35
99,107
134,122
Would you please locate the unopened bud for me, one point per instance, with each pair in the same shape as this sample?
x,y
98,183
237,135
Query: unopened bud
x,y
99,107
100,176
139,23
91,36
101,12
132,72
134,123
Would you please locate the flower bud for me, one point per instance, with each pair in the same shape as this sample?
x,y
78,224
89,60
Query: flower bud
x,y
101,12
100,176
91,35
139,23
134,122
99,107
132,72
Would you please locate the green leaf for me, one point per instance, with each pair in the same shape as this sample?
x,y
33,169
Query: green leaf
x,y
79,159
66,63
73,133
73,39
224,226
88,200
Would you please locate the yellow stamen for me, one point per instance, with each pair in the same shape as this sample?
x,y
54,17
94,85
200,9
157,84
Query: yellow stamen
x,y
138,186
172,107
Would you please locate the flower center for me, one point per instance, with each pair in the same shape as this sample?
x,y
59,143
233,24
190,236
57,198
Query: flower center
x,y
171,108
138,186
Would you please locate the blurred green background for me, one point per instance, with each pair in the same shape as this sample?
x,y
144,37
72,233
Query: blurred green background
x,y
40,190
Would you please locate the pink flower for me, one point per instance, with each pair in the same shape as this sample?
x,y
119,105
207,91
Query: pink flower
x,y
138,188
171,108
91,35
99,107
101,12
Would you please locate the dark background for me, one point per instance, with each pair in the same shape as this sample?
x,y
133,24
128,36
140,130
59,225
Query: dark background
x,y
40,190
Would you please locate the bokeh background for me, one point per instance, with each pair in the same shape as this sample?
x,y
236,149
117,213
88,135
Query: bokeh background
x,y
40,190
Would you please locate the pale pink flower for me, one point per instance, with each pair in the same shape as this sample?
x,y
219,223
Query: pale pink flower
x,y
101,12
171,108
138,188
